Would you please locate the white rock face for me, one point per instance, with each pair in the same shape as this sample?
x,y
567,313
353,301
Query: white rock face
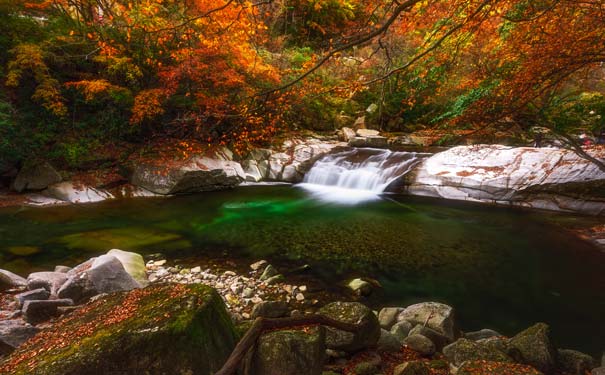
x,y
68,192
544,178
367,133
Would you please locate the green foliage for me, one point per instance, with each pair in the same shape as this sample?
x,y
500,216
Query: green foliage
x,y
584,112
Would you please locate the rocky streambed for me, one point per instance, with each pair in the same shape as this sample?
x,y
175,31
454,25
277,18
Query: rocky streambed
x,y
117,313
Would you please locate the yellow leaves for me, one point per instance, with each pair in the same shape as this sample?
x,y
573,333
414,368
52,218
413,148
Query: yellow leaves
x,y
147,105
93,88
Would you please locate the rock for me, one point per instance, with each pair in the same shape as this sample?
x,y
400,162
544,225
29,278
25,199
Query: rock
x,y
275,279
493,368
436,337
412,368
545,178
346,134
437,316
108,275
270,309
388,342
15,333
356,313
62,269
401,330
482,334
253,173
162,329
535,347
387,316
133,264
36,294
366,368
291,174
375,141
260,154
467,350
372,108
9,280
290,352
598,371
269,271
78,288
360,123
360,287
258,265
50,281
367,133
276,165
35,312
36,176
196,175
72,193
574,363
420,344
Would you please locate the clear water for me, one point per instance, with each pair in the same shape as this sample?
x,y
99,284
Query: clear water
x,y
500,268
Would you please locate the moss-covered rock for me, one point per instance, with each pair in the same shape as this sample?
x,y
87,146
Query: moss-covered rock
x,y
535,347
163,329
353,313
496,368
466,350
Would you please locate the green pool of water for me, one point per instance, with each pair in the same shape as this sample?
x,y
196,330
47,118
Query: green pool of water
x,y
502,269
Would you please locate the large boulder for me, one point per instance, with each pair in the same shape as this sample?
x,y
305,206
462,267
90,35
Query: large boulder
x,y
9,280
354,313
163,329
466,350
36,176
69,192
387,316
535,347
133,263
437,316
545,178
289,352
196,175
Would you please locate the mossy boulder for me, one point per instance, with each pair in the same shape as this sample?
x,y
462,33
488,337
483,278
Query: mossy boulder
x,y
535,348
466,350
353,313
495,368
162,329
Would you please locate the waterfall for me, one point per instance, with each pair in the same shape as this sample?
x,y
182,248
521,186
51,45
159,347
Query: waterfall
x,y
359,174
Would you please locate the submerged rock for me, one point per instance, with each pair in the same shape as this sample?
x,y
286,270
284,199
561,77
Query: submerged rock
x,y
163,329
289,352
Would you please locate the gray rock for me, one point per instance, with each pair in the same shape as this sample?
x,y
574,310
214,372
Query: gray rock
x,y
36,312
270,309
269,272
290,352
259,154
481,334
535,347
253,173
36,176
16,332
108,275
420,344
275,279
9,280
51,281
133,264
437,316
346,134
355,313
388,342
387,316
412,368
598,371
62,269
401,330
78,288
437,338
468,350
574,363
36,294
360,287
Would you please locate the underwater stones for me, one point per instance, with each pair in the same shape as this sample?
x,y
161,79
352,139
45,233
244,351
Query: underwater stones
x,y
290,352
50,281
270,309
360,287
535,347
9,280
35,312
354,313
421,344
157,328
467,350
133,264
573,362
36,176
388,316
437,316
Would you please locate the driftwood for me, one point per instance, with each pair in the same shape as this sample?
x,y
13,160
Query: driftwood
x,y
263,324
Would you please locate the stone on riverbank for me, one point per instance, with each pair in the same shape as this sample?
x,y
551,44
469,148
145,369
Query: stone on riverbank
x,y
9,280
388,316
466,350
535,347
163,329
421,344
35,312
289,352
355,313
15,332
437,316
133,264
36,176
51,281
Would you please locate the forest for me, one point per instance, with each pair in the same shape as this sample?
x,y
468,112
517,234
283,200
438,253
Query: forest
x,y
85,81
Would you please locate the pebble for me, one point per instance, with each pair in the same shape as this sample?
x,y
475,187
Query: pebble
x,y
300,297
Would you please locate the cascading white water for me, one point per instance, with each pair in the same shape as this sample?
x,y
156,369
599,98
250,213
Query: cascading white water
x,y
357,175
